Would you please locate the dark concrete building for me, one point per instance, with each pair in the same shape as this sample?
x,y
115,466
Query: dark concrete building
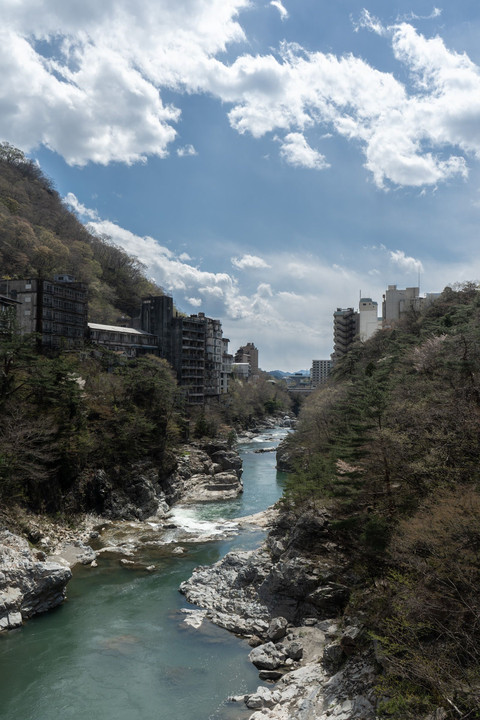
x,y
193,345
55,309
345,331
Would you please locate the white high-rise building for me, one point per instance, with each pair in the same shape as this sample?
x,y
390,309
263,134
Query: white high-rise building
x,y
369,322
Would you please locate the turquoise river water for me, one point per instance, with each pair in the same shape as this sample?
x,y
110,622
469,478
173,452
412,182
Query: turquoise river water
x,y
119,649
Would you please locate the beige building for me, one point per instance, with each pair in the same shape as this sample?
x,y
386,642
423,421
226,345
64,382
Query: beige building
x,y
397,303
248,354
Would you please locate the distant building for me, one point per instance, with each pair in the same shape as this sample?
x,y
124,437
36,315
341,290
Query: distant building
x,y
241,370
298,382
397,303
193,345
368,320
248,354
8,314
123,339
227,363
345,331
55,309
320,371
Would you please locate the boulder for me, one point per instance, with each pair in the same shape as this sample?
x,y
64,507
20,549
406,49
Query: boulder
x,y
333,656
267,656
294,650
28,586
277,629
229,460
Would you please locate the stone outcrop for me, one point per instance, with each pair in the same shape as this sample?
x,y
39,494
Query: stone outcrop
x,y
244,590
200,472
284,456
205,472
29,584
310,693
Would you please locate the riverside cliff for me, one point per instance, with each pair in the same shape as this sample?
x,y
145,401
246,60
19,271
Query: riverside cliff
x,y
287,598
34,573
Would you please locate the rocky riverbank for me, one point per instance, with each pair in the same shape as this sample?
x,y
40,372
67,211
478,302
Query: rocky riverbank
x,y
287,599
37,553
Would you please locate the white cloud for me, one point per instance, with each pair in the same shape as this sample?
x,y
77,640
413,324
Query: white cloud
x,y
296,151
281,9
184,257
404,262
369,22
84,213
249,262
194,301
96,98
436,12
96,95
186,151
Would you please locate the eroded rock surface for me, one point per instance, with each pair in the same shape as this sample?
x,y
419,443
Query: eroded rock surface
x,y
28,585
205,472
283,597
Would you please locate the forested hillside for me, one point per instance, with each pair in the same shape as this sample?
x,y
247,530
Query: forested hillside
x,y
391,445
39,237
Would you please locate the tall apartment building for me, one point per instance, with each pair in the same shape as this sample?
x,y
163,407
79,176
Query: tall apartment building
x,y
345,331
213,357
55,309
193,345
320,371
191,364
248,354
227,362
158,317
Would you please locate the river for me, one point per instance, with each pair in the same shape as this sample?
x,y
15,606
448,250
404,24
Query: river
x,y
119,647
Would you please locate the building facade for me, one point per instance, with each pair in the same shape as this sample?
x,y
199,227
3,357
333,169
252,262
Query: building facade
x,y
124,340
193,345
320,371
368,320
398,303
54,309
227,363
345,331
248,354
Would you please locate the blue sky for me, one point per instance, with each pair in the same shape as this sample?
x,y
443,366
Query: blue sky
x,y
267,161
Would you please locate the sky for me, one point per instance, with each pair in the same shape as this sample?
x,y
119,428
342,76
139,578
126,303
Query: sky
x,y
268,161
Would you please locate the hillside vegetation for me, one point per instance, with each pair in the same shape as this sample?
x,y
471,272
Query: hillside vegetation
x,y
391,445
39,237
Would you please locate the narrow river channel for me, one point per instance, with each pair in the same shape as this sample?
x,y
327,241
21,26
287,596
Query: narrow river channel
x,y
119,648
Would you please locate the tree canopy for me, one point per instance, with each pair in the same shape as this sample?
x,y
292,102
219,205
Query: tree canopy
x,y
40,237
391,445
